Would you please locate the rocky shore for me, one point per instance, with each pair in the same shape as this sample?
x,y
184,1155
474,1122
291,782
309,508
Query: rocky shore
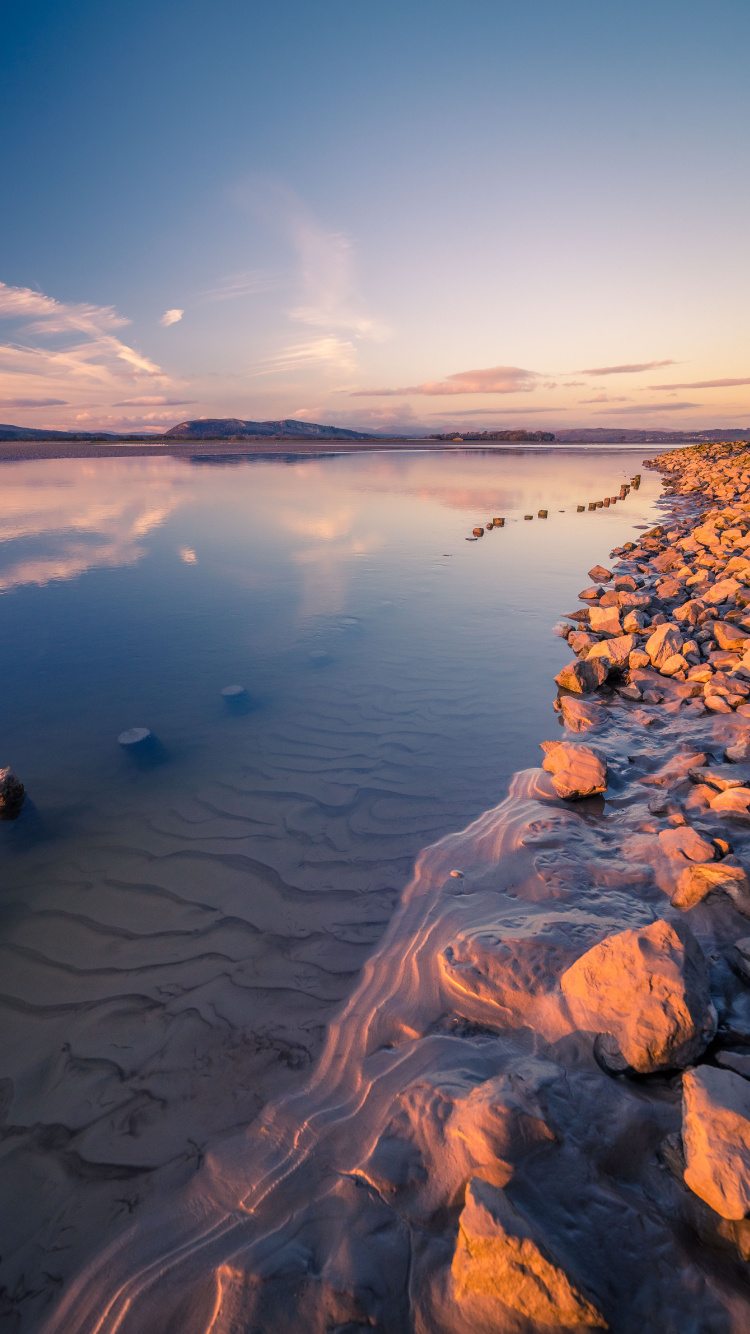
x,y
533,1114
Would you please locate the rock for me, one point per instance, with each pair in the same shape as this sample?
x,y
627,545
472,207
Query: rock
x,y
634,601
625,583
577,771
12,795
722,776
609,599
716,1139
734,801
647,992
579,716
499,1254
600,575
635,622
739,751
689,611
590,594
699,880
580,640
663,643
717,704
675,663
721,591
638,659
669,588
582,677
729,636
605,620
741,953
134,737
686,842
616,650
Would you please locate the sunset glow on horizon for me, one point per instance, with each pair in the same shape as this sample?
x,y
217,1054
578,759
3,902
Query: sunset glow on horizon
x,y
420,220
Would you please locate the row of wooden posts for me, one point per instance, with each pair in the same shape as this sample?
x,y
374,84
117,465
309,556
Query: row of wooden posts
x,y
593,505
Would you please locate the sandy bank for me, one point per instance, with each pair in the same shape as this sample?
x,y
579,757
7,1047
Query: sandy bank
x,y
16,451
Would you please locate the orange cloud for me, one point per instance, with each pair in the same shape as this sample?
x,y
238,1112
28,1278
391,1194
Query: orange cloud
x,y
492,380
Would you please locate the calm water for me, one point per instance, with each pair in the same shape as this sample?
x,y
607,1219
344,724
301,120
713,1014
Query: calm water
x,y
174,936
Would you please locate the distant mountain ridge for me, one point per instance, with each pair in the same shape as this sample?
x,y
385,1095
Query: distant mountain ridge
x,y
228,428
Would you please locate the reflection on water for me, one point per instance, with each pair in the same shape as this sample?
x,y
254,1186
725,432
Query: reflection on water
x,y
61,518
175,937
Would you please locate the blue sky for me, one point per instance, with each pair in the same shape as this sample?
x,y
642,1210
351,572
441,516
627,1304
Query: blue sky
x,y
402,216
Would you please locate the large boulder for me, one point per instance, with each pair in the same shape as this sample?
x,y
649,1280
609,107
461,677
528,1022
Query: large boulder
x,y
500,1255
663,643
716,1138
582,677
577,771
646,992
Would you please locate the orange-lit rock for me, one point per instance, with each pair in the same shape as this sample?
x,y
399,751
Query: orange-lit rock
x,y
696,881
647,992
577,771
716,1138
499,1256
663,643
582,677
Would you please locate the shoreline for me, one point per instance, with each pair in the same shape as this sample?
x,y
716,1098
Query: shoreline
x,y
21,451
548,1054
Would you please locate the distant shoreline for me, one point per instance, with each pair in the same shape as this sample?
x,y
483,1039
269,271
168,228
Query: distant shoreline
x,y
21,451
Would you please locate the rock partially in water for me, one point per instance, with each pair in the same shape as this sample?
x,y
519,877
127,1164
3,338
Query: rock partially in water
x,y
716,1138
600,575
583,677
580,715
12,795
500,1255
701,879
646,991
577,771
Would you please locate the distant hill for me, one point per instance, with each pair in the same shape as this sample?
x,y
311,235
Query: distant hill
x,y
611,435
31,433
232,428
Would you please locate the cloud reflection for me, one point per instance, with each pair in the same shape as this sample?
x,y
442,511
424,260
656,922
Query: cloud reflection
x,y
59,520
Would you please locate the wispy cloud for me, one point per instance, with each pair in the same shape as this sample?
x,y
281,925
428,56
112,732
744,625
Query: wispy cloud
x,y
703,384
154,401
330,351
171,317
643,409
238,285
492,380
604,398
68,355
631,368
33,403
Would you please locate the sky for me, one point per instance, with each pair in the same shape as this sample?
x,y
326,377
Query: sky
x,y
408,217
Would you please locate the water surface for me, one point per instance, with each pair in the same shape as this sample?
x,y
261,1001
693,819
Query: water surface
x,y
176,935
